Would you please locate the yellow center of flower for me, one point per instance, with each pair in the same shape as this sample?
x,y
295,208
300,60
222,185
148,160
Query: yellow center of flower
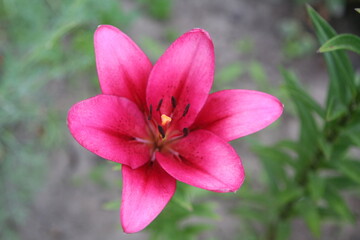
x,y
165,119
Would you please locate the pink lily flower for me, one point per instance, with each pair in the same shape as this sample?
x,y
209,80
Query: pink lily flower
x,y
162,124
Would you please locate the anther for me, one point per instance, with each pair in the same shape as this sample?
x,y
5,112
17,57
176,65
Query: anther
x,y
161,131
185,132
173,101
150,112
186,110
159,105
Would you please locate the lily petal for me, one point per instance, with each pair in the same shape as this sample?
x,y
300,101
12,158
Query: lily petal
x,y
122,66
107,126
146,191
184,73
204,160
231,114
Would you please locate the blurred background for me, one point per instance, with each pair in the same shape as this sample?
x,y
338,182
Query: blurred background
x,y
51,188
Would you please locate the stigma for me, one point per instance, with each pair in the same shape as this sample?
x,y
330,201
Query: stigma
x,y
165,120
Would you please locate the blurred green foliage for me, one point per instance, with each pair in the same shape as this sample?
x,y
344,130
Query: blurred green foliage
x,y
335,8
306,178
157,9
186,216
296,41
41,41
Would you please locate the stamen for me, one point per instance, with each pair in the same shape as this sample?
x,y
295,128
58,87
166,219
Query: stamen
x,y
159,105
142,140
153,157
173,101
150,112
186,132
161,131
186,110
177,155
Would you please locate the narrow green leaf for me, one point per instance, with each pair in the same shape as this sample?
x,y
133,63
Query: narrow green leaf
x,y
338,204
357,9
182,197
288,195
283,230
335,109
308,126
341,73
312,218
273,154
205,209
351,169
288,144
352,131
298,93
342,183
273,160
343,41
316,186
310,212
186,204
326,148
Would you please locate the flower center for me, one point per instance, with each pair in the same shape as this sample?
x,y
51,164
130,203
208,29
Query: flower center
x,y
162,129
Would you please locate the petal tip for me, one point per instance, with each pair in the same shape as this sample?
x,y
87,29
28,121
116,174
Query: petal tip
x,y
200,30
105,27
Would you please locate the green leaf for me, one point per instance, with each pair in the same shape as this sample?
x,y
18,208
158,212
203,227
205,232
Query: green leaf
x,y
283,230
335,109
343,41
289,194
338,204
273,154
316,186
351,169
352,131
182,197
312,217
308,127
341,183
357,9
274,160
298,93
288,144
310,212
326,148
183,202
341,73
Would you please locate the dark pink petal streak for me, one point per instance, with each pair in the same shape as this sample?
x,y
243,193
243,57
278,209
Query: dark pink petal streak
x,y
205,161
107,125
146,191
185,71
232,114
122,66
